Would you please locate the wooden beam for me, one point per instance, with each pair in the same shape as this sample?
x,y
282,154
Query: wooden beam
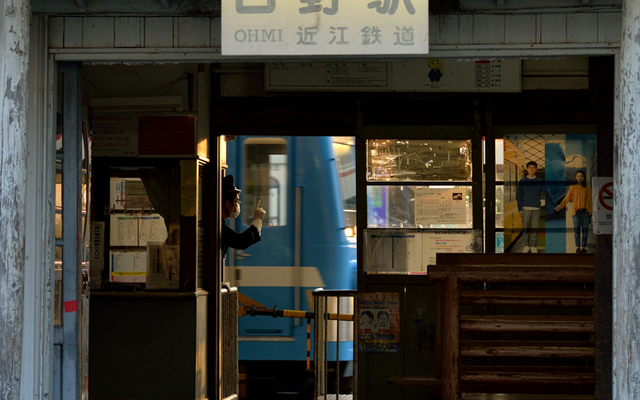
x,y
14,51
514,274
515,259
451,341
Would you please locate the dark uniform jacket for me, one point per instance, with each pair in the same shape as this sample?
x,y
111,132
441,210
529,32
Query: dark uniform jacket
x,y
231,238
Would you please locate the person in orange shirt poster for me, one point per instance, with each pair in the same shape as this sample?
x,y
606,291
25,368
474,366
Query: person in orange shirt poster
x,y
580,195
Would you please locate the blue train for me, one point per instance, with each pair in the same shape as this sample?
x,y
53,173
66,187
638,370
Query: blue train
x,y
307,187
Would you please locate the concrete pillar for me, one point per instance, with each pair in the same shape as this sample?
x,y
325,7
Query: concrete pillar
x,y
14,59
626,234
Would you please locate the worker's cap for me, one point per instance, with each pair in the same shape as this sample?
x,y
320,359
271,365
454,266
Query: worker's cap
x,y
229,189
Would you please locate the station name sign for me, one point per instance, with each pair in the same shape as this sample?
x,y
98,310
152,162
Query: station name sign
x,y
325,27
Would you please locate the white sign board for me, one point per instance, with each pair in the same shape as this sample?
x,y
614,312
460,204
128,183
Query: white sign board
x,y
325,27
114,135
436,75
602,196
411,252
323,76
423,75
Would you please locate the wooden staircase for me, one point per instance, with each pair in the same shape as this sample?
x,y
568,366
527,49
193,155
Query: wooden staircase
x,y
506,349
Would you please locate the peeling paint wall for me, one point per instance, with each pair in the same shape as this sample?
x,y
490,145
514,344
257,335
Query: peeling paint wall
x,y
14,43
626,252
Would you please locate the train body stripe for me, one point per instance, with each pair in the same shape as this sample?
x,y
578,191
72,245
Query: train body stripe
x,y
277,276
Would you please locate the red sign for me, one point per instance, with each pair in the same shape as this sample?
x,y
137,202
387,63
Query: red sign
x,y
606,196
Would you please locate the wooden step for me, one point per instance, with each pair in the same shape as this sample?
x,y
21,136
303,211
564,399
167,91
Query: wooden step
x,y
414,381
524,298
527,378
528,323
555,369
529,351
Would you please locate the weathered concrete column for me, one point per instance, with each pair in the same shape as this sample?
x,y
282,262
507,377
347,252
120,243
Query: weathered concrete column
x,y
14,59
626,234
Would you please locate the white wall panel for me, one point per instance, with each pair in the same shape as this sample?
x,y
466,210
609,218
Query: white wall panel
x,y
216,32
56,32
73,32
609,27
129,32
553,28
434,29
176,27
488,29
466,29
97,32
194,32
158,32
448,29
520,29
463,35
582,28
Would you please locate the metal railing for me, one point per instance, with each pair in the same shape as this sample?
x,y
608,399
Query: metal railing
x,y
324,316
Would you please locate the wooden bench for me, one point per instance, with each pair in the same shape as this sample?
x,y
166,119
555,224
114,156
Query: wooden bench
x,y
454,270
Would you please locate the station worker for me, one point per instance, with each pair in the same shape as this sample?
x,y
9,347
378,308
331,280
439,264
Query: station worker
x,y
231,209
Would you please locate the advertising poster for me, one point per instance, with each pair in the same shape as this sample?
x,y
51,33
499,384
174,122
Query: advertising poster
x,y
379,318
547,194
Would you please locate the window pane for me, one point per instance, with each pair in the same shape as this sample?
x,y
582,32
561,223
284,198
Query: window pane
x,y
266,174
499,159
499,206
419,160
419,207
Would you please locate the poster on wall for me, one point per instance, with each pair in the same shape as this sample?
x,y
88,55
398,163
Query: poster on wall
x,y
379,330
547,193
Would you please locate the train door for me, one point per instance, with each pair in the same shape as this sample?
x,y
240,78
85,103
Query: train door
x,y
264,173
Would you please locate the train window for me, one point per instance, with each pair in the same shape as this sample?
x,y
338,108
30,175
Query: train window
x,y
419,160
435,207
265,179
344,151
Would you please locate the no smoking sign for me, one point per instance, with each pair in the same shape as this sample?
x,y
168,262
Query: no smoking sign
x,y
603,201
605,196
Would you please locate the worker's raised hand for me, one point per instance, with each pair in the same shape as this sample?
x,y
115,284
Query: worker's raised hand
x,y
259,212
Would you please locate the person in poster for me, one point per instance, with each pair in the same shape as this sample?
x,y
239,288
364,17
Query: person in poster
x,y
379,324
580,195
383,320
530,191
